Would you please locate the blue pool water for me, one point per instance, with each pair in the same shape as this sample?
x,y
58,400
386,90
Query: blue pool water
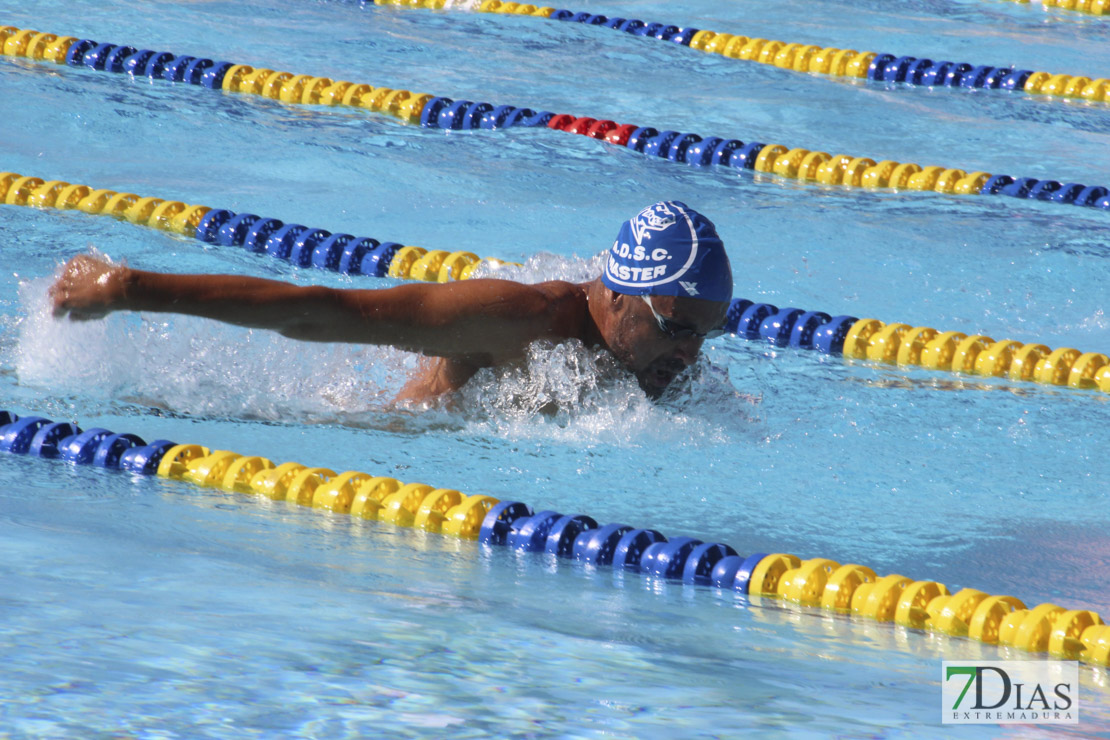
x,y
151,608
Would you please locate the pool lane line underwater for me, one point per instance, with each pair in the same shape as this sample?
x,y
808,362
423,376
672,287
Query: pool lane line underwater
x,y
850,589
659,30
862,339
445,113
1094,7
831,61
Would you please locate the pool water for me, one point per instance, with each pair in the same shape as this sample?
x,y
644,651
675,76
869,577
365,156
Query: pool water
x,y
152,608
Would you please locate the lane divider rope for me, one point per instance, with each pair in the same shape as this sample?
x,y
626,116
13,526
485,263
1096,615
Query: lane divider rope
x,y
832,61
864,339
445,113
818,583
300,245
921,346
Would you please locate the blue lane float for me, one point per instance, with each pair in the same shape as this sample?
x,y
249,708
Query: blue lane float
x,y
301,245
40,437
123,59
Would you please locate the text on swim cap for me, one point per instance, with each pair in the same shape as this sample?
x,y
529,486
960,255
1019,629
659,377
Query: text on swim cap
x,y
640,254
639,274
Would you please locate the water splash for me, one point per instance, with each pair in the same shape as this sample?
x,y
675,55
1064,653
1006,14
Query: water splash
x,y
200,367
194,366
545,266
577,394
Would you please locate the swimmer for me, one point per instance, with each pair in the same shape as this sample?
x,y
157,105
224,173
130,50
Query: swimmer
x,y
665,288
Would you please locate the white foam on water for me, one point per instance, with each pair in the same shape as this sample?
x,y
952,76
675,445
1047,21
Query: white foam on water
x,y
577,395
197,366
544,266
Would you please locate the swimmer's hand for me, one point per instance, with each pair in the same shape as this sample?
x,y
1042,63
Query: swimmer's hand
x,y
89,288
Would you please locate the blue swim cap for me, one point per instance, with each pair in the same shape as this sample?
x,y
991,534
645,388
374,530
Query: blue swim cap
x,y
669,249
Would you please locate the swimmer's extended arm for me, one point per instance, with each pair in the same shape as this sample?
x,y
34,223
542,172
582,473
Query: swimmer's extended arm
x,y
481,321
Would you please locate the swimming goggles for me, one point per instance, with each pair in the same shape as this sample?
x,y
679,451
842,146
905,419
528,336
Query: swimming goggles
x,y
678,331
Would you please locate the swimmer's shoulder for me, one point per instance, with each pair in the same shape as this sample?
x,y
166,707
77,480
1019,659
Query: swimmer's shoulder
x,y
566,303
561,292
555,309
552,296
568,309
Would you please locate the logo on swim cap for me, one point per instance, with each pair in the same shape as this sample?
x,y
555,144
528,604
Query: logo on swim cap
x,y
653,218
669,249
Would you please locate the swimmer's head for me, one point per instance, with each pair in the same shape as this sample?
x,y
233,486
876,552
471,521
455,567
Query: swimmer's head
x,y
669,249
670,283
